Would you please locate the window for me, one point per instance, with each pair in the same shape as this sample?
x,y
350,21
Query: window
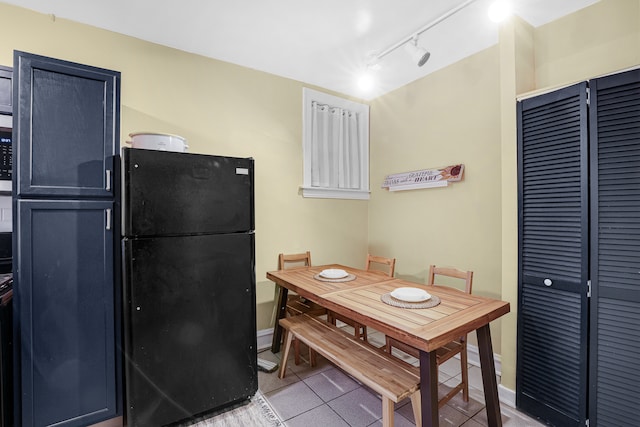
x,y
335,147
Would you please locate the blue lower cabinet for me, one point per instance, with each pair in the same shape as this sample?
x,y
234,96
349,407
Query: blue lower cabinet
x,y
65,308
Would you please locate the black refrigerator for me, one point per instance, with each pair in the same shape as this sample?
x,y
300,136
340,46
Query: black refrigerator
x,y
189,285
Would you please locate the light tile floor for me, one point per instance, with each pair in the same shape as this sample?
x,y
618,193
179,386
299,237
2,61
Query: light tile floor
x,y
324,396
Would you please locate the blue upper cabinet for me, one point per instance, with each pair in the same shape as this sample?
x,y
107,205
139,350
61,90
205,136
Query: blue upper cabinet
x,y
67,127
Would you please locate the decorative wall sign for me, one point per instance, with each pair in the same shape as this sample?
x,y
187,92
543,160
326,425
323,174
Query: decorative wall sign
x,y
427,178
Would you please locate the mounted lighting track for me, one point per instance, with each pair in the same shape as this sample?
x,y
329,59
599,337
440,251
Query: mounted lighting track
x,y
413,37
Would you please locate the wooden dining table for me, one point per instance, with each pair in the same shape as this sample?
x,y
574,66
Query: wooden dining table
x,y
426,329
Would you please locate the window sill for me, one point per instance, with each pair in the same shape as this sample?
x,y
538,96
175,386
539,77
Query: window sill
x,y
334,193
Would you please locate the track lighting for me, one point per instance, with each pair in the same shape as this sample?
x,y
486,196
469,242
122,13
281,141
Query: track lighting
x,y
418,54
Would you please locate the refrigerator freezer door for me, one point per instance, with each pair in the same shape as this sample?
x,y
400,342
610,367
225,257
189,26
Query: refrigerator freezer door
x,y
190,328
169,193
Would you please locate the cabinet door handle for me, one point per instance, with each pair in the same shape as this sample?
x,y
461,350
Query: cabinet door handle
x,y
108,180
108,219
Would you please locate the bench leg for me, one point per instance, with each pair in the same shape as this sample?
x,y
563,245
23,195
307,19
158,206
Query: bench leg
x,y
387,412
296,350
364,333
285,355
312,358
417,410
296,354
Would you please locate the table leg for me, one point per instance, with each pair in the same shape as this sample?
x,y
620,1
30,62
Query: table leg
x,y
489,382
277,329
429,388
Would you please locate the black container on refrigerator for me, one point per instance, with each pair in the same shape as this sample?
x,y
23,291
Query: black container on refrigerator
x,y
189,283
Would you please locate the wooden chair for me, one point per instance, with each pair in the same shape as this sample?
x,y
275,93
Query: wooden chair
x,y
376,264
452,348
297,305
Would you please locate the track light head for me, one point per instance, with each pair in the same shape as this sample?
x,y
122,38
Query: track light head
x,y
418,54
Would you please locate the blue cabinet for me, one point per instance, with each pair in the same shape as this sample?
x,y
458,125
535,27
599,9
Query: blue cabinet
x,y
66,298
66,243
67,128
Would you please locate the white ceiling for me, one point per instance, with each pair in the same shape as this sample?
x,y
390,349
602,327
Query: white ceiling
x,y
320,42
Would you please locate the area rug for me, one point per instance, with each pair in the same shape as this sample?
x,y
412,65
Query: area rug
x,y
255,413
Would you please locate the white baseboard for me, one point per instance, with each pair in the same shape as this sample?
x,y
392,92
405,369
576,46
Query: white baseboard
x,y
474,358
265,337
506,396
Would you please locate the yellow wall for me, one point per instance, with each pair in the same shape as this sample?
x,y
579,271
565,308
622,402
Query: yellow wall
x,y
221,109
597,40
466,113
460,114
446,118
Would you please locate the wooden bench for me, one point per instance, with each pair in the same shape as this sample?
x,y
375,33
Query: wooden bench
x,y
393,379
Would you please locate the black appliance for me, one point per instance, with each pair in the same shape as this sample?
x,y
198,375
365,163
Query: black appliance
x,y
6,161
5,252
189,285
6,350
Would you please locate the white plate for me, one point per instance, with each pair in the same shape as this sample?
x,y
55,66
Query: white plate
x,y
410,294
334,273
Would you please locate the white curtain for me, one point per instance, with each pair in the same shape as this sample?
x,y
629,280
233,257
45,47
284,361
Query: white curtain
x,y
335,156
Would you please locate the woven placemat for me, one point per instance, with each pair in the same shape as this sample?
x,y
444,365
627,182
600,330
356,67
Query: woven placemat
x,y
347,278
431,302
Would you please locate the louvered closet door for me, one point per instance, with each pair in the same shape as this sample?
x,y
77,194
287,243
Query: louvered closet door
x,y
551,380
615,273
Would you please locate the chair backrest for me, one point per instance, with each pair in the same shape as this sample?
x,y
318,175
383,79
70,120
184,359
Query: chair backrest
x,y
467,276
390,264
294,260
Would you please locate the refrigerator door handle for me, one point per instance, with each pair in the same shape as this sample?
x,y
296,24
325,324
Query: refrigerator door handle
x,y
108,171
108,219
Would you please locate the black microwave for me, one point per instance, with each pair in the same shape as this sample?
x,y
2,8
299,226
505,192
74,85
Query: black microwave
x,y
6,162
